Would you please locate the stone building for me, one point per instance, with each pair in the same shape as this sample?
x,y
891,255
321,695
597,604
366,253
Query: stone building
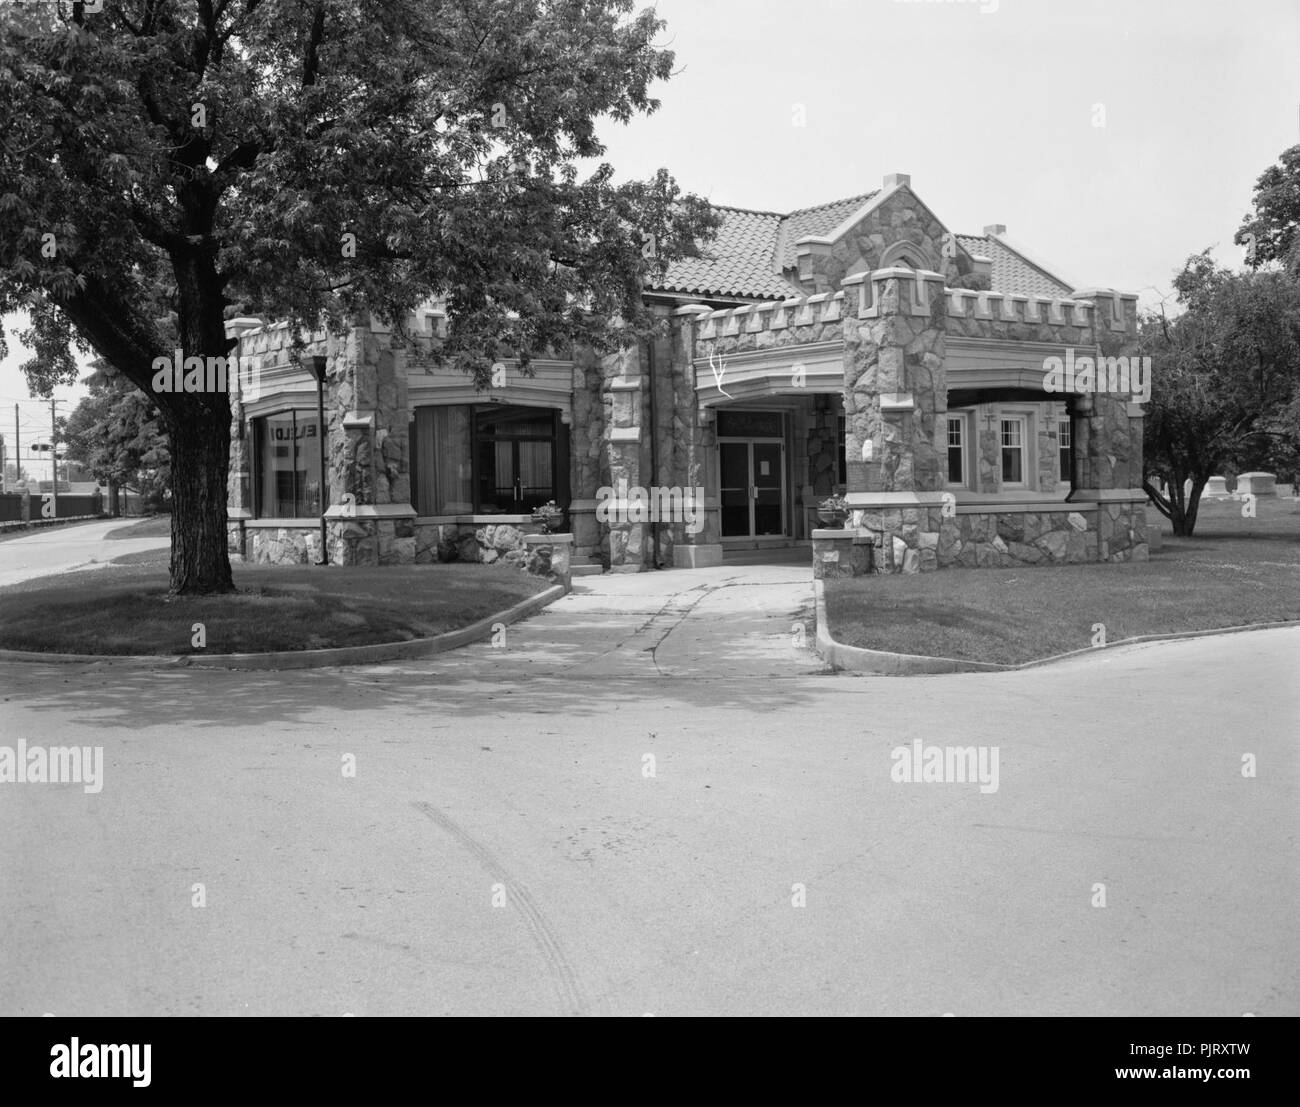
x,y
858,346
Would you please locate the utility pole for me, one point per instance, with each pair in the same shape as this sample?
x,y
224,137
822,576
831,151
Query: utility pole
x,y
18,450
54,457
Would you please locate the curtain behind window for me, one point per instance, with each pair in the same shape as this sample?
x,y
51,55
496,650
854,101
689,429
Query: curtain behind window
x,y
442,460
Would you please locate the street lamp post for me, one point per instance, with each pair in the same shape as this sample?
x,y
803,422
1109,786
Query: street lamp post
x,y
317,365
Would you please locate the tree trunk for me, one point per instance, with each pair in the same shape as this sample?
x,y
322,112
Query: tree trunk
x,y
1184,517
200,456
114,502
198,430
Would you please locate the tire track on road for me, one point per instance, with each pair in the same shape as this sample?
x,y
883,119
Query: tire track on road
x,y
573,998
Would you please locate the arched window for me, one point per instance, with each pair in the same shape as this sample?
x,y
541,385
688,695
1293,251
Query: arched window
x,y
907,255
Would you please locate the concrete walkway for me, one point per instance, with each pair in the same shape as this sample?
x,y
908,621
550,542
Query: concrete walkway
x,y
737,621
62,549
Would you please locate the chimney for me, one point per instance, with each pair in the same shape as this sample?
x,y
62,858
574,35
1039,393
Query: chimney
x,y
893,180
996,228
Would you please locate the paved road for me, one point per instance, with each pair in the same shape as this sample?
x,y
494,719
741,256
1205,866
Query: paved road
x,y
61,549
520,775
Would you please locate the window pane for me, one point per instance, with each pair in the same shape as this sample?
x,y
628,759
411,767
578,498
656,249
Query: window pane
x,y
307,464
289,466
749,424
500,420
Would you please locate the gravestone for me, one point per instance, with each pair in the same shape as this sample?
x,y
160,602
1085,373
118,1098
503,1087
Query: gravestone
x,y
1217,486
1256,484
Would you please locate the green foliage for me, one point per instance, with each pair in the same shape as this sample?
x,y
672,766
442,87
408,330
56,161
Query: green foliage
x,y
168,165
1225,382
445,139
114,432
1276,219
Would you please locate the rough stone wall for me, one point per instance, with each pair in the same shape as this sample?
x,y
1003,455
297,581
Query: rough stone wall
x,y
370,376
822,449
283,545
901,217
922,539
985,315
471,542
694,435
586,436
1114,532
1108,443
662,423
899,351
622,384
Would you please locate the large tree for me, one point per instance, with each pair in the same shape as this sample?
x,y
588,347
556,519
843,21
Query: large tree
x,y
166,165
1225,373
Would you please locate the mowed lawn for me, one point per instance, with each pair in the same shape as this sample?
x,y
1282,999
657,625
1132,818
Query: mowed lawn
x,y
124,608
1233,571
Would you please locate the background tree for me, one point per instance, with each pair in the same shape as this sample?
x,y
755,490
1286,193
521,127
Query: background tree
x,y
1224,380
319,160
114,432
1273,225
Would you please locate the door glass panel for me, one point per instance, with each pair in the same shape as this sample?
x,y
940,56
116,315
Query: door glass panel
x,y
734,467
767,481
535,474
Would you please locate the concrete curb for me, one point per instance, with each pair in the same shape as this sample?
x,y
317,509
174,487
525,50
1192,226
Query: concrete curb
x,y
885,663
308,659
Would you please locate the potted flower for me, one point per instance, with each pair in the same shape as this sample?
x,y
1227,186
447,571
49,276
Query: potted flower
x,y
549,516
833,511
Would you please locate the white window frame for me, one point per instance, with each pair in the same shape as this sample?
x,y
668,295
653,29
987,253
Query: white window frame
x,y
1064,444
1027,460
963,419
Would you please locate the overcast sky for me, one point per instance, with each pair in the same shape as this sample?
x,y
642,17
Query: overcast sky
x,y
991,106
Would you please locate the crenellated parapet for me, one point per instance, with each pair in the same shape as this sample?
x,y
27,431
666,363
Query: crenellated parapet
x,y
803,320
1078,320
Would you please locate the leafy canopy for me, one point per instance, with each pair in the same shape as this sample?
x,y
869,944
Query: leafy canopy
x,y
166,165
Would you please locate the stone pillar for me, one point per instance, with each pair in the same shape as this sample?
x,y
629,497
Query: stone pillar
x,y
895,397
244,389
585,452
368,415
694,447
549,556
621,392
1107,429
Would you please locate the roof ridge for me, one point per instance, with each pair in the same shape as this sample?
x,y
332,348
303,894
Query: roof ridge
x,y
864,196
745,211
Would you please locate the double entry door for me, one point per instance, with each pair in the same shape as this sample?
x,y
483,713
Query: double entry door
x,y
752,487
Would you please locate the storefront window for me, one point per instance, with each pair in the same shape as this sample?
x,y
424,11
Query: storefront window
x,y
287,456
486,459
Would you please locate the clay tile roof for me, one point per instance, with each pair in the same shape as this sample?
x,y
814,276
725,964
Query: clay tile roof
x,y
1013,272
820,220
737,263
752,248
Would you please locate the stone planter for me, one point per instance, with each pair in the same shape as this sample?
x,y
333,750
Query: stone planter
x,y
831,519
